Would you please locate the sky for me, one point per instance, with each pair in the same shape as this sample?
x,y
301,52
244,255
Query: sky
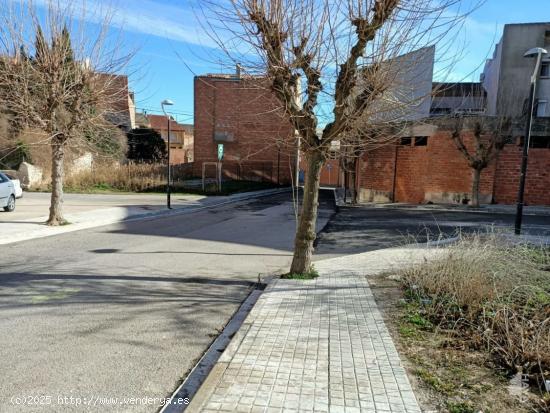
x,y
171,47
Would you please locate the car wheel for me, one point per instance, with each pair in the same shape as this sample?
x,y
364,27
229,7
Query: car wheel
x,y
11,204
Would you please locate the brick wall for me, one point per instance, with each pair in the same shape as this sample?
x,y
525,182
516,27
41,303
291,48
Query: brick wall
x,y
376,173
438,172
537,184
450,178
177,156
330,173
262,145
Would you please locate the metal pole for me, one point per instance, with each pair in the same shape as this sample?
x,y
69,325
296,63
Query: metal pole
x,y
278,165
526,143
169,180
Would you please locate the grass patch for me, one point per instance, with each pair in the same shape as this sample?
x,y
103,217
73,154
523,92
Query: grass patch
x,y
492,295
310,275
468,323
460,407
439,384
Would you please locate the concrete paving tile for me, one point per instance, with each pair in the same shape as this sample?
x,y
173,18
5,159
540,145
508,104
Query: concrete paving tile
x,y
307,341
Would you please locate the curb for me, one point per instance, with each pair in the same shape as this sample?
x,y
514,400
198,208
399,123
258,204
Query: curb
x,y
446,209
206,373
218,369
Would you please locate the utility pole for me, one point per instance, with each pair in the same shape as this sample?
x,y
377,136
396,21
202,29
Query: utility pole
x,y
168,102
537,52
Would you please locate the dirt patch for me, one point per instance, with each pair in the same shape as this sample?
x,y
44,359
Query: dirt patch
x,y
446,375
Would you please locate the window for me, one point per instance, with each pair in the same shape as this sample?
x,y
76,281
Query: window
x,y
540,142
405,141
440,111
421,141
545,69
541,109
509,140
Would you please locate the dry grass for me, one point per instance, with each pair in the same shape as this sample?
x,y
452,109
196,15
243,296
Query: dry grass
x,y
135,177
489,295
129,178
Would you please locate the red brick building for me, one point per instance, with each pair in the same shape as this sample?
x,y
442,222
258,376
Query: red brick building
x,y
427,167
119,98
181,137
243,115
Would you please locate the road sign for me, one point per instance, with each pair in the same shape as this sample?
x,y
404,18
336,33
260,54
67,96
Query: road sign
x,y
220,151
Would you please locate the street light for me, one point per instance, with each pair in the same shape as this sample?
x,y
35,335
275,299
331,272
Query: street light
x,y
537,52
168,102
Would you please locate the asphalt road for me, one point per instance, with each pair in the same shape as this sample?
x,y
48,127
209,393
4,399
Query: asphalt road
x,y
124,311
362,228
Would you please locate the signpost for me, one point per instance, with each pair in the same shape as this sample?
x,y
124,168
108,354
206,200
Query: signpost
x,y
220,157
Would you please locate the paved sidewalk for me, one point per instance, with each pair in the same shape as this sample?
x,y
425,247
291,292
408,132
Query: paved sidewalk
x,y
317,345
95,215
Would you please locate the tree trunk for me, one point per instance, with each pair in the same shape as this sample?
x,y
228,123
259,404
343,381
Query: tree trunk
x,y
305,234
475,188
58,157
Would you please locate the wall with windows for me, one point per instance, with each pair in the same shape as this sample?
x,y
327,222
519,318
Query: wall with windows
x,y
421,169
507,75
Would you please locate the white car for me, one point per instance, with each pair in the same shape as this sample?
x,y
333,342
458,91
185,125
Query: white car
x,y
17,185
7,193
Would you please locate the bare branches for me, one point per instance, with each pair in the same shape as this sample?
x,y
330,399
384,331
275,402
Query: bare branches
x,y
365,30
284,79
487,136
60,82
335,67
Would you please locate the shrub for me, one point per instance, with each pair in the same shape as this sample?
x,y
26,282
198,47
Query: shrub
x,y
493,295
146,145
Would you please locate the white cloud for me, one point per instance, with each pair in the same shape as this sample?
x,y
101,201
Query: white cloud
x,y
178,23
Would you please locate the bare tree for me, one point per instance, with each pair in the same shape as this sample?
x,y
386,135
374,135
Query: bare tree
x,y
331,64
57,77
488,136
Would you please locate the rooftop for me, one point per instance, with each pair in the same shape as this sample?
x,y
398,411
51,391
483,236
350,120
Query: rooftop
x,y
160,122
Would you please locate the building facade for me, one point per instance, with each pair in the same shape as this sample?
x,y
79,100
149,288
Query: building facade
x,y
507,74
181,136
243,115
121,108
457,99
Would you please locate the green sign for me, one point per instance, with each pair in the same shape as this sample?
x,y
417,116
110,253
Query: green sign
x,y
220,151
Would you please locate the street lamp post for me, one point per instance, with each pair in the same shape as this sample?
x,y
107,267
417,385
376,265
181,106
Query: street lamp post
x,y
168,102
537,52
